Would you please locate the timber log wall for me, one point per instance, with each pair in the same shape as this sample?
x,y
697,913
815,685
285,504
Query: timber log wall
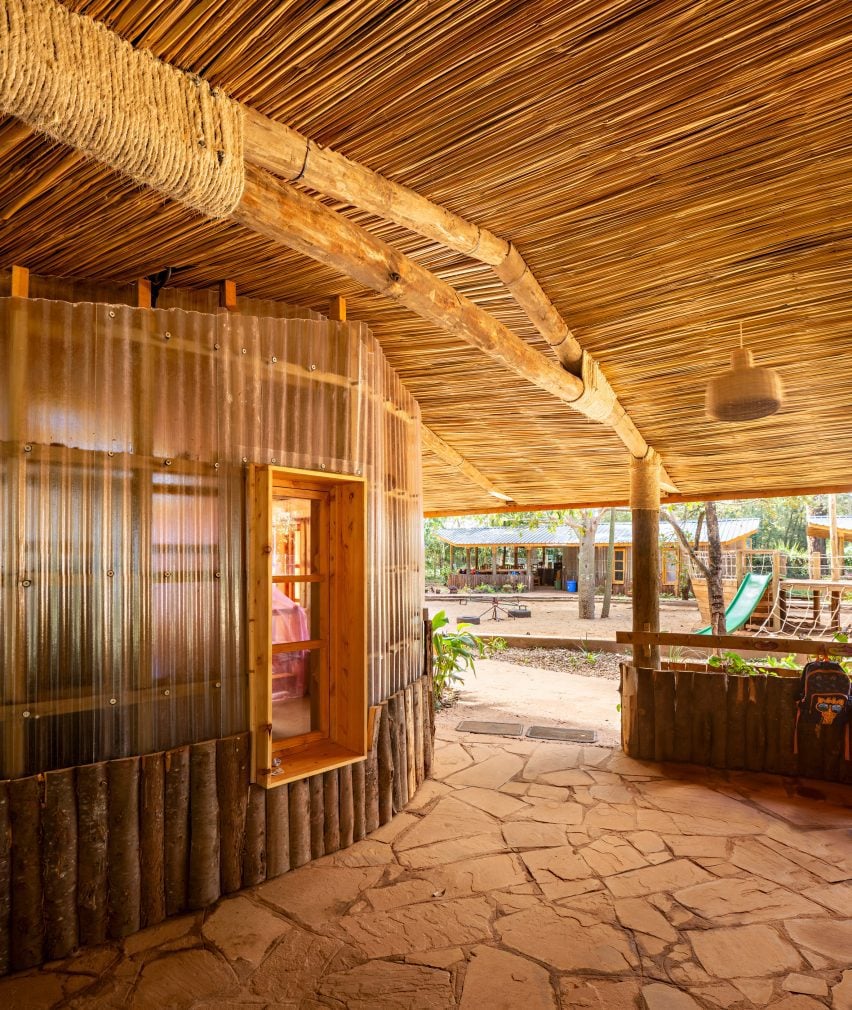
x,y
721,720
100,851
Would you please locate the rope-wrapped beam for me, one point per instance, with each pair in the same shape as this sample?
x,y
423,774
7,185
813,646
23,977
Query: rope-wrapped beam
x,y
71,78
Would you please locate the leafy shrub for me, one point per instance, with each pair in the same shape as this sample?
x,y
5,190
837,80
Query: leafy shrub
x,y
454,654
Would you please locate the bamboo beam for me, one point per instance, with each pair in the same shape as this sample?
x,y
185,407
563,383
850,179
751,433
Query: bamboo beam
x,y
294,157
435,444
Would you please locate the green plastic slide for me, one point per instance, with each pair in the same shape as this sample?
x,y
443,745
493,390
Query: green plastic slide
x,y
742,605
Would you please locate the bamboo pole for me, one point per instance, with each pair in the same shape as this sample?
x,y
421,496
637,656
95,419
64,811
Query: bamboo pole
x,y
434,443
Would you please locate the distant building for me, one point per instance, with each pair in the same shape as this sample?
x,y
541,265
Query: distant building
x,y
497,555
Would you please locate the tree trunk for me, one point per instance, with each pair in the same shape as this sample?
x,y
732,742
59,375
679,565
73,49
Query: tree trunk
x,y
714,571
607,598
586,593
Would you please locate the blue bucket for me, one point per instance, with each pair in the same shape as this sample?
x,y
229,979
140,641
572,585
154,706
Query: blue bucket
x,y
571,586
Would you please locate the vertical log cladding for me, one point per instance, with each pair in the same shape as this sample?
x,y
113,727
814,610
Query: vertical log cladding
x,y
317,816
410,759
331,811
346,805
27,922
176,817
417,701
735,710
92,792
300,822
204,844
232,764
5,879
151,841
254,852
359,799
683,715
123,871
385,769
59,864
119,845
277,831
664,715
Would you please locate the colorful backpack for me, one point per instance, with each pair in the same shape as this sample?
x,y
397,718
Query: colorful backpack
x,y
825,698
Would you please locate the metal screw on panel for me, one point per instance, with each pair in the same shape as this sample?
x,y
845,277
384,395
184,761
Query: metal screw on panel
x,y
313,368
218,683
216,347
167,462
167,336
112,313
167,575
215,466
110,573
274,462
113,701
244,351
166,693
28,447
245,459
217,575
26,583
26,713
357,473
322,466
110,452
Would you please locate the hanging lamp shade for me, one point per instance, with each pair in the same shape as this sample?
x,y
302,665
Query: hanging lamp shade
x,y
745,391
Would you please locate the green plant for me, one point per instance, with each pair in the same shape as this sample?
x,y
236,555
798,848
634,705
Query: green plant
x,y
493,646
590,656
454,653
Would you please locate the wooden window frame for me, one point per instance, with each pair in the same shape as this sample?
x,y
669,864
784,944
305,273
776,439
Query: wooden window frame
x,y
342,736
615,553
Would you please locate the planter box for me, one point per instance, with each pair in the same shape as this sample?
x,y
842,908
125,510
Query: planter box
x,y
721,720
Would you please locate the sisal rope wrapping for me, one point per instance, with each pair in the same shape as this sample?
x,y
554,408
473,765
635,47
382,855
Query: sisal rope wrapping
x,y
598,400
645,481
71,78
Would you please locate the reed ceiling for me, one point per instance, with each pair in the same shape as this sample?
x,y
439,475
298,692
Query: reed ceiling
x,y
667,169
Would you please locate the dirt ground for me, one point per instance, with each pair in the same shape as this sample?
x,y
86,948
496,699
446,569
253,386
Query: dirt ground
x,y
559,618
549,687
504,692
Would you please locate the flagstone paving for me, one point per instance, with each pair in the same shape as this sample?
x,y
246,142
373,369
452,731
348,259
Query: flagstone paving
x,y
532,876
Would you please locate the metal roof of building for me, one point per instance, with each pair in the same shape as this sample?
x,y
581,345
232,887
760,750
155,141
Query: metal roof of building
x,y
843,522
564,536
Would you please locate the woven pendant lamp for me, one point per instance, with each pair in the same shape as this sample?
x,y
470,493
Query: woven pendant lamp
x,y
746,391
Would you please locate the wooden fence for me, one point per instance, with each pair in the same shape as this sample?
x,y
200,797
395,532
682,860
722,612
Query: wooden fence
x,y
99,851
722,720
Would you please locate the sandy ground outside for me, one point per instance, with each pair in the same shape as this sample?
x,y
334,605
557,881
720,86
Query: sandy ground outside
x,y
559,618
503,692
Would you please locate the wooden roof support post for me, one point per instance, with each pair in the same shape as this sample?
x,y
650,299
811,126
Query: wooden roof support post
x,y
645,511
20,282
227,295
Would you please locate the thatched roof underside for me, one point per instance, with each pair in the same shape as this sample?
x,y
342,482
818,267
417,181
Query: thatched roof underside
x,y
666,169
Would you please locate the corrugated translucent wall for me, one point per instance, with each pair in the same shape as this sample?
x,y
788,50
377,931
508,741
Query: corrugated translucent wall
x,y
124,439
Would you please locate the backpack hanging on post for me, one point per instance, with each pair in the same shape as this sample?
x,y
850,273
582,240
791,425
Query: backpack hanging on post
x,y
825,699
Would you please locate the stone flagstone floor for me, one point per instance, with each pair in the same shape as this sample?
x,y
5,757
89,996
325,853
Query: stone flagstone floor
x,y
533,876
